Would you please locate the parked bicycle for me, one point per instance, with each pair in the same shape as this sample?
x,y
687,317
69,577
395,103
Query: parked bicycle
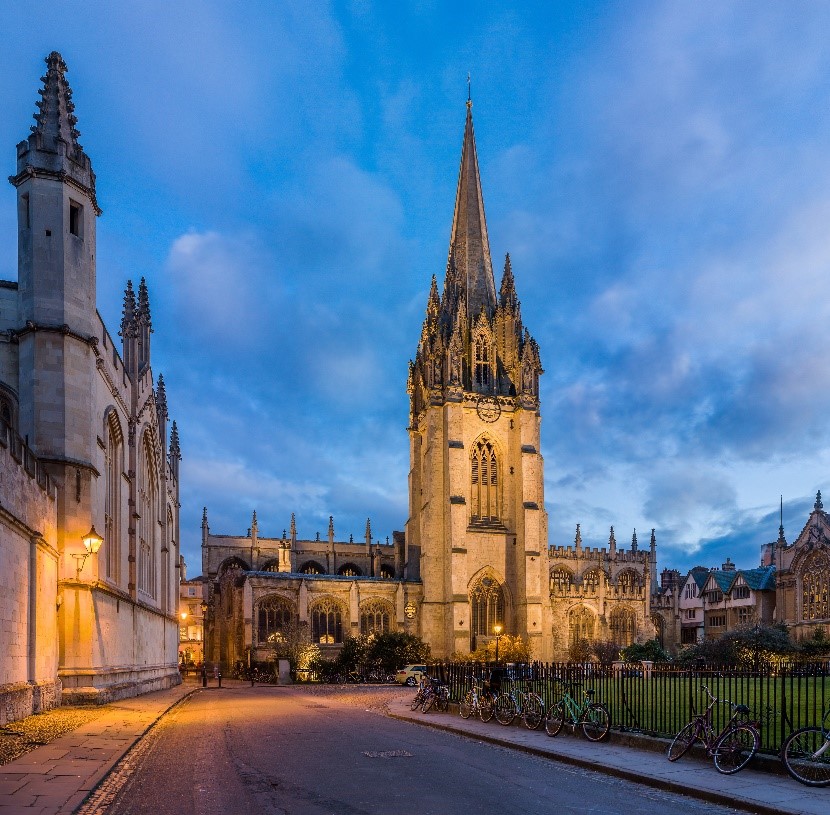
x,y
477,701
435,695
592,716
731,749
512,703
806,754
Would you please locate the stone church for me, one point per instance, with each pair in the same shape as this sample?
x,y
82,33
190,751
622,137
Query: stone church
x,y
475,550
89,469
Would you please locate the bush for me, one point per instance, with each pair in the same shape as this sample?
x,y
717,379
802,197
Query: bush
x,y
605,652
816,646
580,651
395,649
651,650
749,647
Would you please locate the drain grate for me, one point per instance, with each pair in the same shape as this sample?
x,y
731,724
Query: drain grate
x,y
387,754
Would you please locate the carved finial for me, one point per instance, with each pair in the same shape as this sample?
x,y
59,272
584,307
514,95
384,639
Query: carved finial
x,y
781,539
175,450
507,292
612,542
351,538
634,541
204,516
818,505
469,91
161,400
368,531
55,120
578,538
293,527
143,311
284,535
254,523
653,541
128,312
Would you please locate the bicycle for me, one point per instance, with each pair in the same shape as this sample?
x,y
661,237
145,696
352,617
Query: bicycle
x,y
436,695
528,705
420,695
592,716
806,754
479,701
731,749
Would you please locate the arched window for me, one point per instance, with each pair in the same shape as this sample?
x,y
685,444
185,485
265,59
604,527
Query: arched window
x,y
581,623
560,580
148,518
623,626
274,617
815,587
112,498
482,365
628,582
660,627
270,566
590,581
349,570
484,481
6,413
375,617
387,572
312,567
326,622
487,603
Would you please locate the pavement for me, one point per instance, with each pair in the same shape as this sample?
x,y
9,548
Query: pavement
x,y
68,774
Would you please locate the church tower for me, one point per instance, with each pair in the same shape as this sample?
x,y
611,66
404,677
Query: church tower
x,y
477,515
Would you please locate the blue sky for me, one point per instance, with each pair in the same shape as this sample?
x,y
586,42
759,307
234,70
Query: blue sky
x,y
284,178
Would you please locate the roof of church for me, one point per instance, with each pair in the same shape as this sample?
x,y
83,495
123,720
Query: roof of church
x,y
469,253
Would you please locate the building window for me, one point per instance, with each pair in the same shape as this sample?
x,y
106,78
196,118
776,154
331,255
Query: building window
x,y
482,370
590,581
628,582
690,613
274,617
76,219
388,572
740,593
717,621
148,519
24,214
623,626
688,636
327,622
484,481
6,412
715,596
660,627
375,617
691,590
580,625
815,587
312,567
349,570
560,581
746,615
112,498
487,604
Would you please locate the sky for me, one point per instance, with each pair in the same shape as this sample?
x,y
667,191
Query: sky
x,y
283,175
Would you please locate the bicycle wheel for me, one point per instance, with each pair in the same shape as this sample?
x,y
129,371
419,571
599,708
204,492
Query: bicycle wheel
x,y
429,701
683,741
555,719
735,747
442,700
596,722
504,709
466,705
417,701
806,755
533,711
485,707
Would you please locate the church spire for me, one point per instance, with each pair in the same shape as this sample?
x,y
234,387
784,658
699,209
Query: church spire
x,y
55,120
469,255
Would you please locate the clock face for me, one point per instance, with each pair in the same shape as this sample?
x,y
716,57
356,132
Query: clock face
x,y
488,409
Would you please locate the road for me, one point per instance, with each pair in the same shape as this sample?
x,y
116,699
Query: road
x,y
330,751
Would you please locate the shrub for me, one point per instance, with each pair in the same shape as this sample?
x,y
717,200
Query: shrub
x,y
650,650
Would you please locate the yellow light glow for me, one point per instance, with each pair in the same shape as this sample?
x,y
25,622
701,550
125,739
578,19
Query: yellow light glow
x,y
497,629
183,615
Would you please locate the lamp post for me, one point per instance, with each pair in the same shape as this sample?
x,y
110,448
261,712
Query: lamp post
x,y
497,629
92,543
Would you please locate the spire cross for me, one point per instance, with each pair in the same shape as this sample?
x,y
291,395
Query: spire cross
x,y
469,91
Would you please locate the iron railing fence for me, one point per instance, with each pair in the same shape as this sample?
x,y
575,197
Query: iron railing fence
x,y
659,699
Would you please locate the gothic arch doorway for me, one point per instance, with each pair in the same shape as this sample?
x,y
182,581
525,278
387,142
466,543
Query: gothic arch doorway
x,y
486,609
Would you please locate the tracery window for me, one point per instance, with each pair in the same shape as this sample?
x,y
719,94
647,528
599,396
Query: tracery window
x,y
560,580
349,570
375,617
660,628
484,481
271,566
148,518
581,623
487,603
388,572
274,617
623,626
815,587
327,622
482,370
112,498
590,581
312,567
6,411
628,582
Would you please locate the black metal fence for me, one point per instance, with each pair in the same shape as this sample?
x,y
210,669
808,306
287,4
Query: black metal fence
x,y
659,699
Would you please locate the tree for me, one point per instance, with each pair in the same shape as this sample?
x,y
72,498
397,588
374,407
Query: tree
x,y
749,647
293,643
580,651
606,652
816,646
651,650
395,649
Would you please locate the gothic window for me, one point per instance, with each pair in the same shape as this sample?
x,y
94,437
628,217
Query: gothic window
x,y
487,601
388,572
560,581
112,497
628,582
590,581
484,479
482,364
375,617
623,626
270,566
6,411
660,627
349,570
148,518
274,617
312,567
326,622
581,625
815,587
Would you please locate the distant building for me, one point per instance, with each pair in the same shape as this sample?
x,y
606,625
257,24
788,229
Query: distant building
x,y
191,619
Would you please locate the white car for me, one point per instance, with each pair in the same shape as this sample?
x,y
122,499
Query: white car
x,y
410,675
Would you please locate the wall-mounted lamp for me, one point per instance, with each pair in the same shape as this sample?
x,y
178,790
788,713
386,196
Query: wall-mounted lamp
x,y
92,543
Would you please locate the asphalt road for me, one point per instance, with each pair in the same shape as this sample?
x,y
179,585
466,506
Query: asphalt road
x,y
329,751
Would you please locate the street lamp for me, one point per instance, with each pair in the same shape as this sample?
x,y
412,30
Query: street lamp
x,y
497,629
92,543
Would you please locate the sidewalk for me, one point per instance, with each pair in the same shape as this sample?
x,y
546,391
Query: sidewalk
x,y
56,778
750,790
